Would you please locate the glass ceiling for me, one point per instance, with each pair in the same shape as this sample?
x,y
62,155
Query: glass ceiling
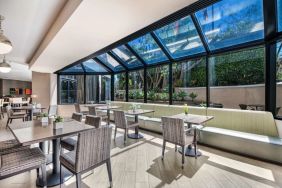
x,y
222,25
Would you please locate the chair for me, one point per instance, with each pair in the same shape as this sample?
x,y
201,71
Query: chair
x,y
22,161
93,111
122,123
69,143
52,111
93,121
12,116
9,146
89,156
174,132
37,111
1,108
78,109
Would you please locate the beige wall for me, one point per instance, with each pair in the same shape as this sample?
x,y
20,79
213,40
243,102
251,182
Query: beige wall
x,y
44,85
7,84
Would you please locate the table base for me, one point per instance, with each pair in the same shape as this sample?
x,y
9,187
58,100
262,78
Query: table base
x,y
54,179
135,136
190,151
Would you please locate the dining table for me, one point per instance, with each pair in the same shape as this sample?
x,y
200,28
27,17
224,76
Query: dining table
x,y
108,108
29,110
136,113
33,132
195,121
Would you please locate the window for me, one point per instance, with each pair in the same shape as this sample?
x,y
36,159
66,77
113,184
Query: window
x,y
119,87
136,86
148,49
127,57
110,62
71,89
92,88
189,82
181,38
74,69
237,79
279,80
231,22
279,5
105,88
92,66
157,84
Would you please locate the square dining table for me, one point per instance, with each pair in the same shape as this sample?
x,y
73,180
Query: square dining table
x,y
108,108
31,132
196,120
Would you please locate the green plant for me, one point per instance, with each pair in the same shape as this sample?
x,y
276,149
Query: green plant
x,y
163,96
193,96
59,119
182,94
174,96
203,104
152,95
43,115
186,109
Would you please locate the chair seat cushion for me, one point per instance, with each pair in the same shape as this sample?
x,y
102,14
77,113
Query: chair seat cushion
x,y
68,160
69,143
9,146
21,160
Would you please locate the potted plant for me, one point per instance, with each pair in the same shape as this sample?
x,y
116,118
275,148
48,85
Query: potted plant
x,y
186,109
58,122
44,118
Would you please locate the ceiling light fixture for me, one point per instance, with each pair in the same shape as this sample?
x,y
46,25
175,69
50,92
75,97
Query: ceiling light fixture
x,y
4,66
5,43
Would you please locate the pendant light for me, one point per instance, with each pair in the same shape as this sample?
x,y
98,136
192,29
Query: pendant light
x,y
4,66
5,43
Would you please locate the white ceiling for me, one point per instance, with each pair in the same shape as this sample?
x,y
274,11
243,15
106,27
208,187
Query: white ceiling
x,y
26,23
96,24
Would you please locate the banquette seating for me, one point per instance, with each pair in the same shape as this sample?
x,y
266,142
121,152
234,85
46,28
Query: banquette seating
x,y
251,133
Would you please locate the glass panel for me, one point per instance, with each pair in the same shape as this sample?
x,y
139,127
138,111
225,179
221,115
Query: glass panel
x,y
136,86
181,38
148,49
279,15
92,88
120,87
72,89
237,80
231,22
157,84
189,82
92,66
75,68
105,88
127,57
279,80
110,62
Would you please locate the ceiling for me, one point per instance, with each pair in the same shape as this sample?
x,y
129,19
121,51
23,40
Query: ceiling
x,y
97,23
25,24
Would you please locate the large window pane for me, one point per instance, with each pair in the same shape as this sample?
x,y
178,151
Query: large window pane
x,y
181,38
110,62
127,57
119,87
92,66
279,15
157,84
136,86
279,80
72,89
148,49
92,88
231,22
237,80
74,69
189,82
105,88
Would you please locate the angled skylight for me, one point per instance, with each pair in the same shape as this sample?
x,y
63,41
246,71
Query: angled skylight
x,y
110,62
92,66
181,38
74,69
127,57
279,6
231,22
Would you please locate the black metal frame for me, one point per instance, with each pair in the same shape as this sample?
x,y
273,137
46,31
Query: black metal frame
x,y
271,36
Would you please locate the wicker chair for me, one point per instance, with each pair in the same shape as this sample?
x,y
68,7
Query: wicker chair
x,y
89,156
174,132
78,109
93,121
12,116
22,161
122,123
93,111
9,146
1,108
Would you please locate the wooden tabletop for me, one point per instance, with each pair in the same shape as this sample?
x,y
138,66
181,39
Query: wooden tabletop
x,y
137,112
108,107
193,119
31,132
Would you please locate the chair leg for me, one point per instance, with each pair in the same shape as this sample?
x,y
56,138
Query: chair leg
x,y
61,175
175,148
7,123
11,120
78,180
109,168
115,133
164,143
195,148
125,135
44,175
183,156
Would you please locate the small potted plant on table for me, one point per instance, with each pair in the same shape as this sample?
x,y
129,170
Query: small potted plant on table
x,y
58,122
186,109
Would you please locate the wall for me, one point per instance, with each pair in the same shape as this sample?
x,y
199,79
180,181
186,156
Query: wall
x,y
44,85
7,84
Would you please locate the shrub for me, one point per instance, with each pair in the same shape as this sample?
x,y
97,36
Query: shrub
x,y
182,94
152,95
193,96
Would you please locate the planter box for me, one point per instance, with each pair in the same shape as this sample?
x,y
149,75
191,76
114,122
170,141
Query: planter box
x,y
59,125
